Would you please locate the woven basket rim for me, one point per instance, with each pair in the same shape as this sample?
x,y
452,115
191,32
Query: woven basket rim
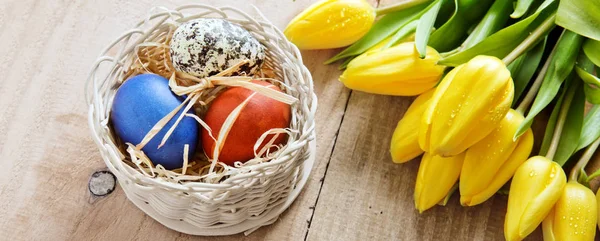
x,y
135,175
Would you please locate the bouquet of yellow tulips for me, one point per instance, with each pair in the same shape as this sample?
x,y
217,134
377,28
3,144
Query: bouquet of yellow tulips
x,y
481,71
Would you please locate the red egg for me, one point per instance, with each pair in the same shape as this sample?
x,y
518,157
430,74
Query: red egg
x,y
259,115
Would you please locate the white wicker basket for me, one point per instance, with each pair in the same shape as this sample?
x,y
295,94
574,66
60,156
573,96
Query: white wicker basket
x,y
255,196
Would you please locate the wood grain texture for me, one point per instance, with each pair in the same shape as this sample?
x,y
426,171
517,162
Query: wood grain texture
x,y
47,154
365,196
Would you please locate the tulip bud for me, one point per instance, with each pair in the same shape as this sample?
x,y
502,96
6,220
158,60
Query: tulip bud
x,y
491,162
535,188
466,106
574,215
405,141
435,178
331,24
393,71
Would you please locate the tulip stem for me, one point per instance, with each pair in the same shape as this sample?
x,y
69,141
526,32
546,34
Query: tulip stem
x,y
399,6
560,123
530,40
584,160
536,85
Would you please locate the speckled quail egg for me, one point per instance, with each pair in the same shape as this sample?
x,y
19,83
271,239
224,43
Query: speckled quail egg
x,y
207,46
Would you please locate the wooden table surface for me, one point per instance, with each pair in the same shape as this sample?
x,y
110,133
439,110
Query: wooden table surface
x,y
355,192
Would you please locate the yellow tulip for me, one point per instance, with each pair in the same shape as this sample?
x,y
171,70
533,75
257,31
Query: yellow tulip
x,y
535,188
574,215
405,141
331,24
467,105
435,178
393,71
491,162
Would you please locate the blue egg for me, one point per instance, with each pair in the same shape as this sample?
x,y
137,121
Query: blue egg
x,y
139,104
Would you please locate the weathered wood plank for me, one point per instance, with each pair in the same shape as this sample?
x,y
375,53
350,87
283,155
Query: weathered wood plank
x,y
366,196
47,155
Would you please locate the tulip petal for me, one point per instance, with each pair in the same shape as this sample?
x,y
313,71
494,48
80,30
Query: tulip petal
x,y
538,208
435,178
536,186
393,71
519,155
548,227
574,215
481,95
491,162
331,24
425,126
405,141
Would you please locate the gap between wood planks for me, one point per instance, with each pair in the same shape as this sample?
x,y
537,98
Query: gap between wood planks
x,y
322,180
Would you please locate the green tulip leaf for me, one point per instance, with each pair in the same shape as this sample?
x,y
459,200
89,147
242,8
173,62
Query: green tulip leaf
x,y
506,40
402,33
385,27
583,178
445,13
521,8
466,13
591,88
449,195
551,125
524,67
494,20
593,175
587,77
571,132
425,27
591,128
561,65
580,16
591,48
344,64
573,102
592,94
514,68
